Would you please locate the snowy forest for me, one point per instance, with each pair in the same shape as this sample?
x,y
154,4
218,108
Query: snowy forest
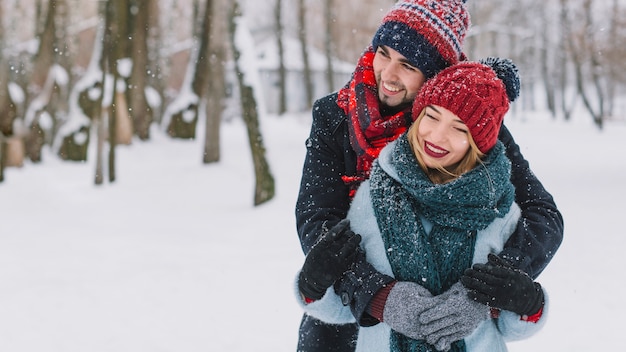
x,y
139,212
77,73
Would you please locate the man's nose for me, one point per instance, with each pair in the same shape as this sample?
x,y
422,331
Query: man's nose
x,y
390,72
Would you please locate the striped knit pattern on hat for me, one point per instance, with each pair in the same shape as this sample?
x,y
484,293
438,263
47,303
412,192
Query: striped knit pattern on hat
x,y
429,33
474,93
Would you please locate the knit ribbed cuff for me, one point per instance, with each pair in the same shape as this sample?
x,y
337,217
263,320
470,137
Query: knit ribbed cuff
x,y
377,304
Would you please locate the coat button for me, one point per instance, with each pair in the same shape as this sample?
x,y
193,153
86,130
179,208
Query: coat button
x,y
345,298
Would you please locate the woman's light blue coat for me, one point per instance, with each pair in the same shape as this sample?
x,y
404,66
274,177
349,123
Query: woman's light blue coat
x,y
491,335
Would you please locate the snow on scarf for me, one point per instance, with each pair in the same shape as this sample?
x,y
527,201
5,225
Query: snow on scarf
x,y
457,210
369,130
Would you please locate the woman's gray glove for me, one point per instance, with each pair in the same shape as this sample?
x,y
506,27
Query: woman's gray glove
x,y
454,318
329,258
405,303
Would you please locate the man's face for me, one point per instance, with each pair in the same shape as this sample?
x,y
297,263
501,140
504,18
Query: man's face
x,y
398,81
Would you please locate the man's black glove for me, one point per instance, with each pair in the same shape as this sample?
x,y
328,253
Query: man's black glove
x,y
358,286
329,258
498,284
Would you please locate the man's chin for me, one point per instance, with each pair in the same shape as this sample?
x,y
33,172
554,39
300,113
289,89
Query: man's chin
x,y
390,102
394,102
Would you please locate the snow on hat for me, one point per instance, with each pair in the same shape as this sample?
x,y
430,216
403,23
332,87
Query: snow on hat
x,y
478,94
429,33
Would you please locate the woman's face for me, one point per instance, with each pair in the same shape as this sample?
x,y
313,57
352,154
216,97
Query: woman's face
x,y
443,137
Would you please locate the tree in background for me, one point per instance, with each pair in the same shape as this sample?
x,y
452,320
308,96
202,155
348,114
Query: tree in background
x,y
306,66
115,47
570,54
48,79
139,109
216,90
586,61
328,44
282,74
243,52
184,114
7,108
548,67
567,97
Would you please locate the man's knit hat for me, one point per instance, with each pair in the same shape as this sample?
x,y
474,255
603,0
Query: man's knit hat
x,y
429,33
478,93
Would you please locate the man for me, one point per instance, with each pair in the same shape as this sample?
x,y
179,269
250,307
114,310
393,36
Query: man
x,y
416,39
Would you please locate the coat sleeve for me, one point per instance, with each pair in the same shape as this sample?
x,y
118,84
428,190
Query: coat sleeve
x,y
539,232
328,309
513,328
371,271
323,198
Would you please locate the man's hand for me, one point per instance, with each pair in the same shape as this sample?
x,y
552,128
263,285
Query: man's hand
x,y
498,284
329,258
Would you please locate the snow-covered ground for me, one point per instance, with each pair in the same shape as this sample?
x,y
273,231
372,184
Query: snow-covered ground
x,y
174,257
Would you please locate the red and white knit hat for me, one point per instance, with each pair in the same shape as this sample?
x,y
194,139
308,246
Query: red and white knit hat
x,y
429,33
476,93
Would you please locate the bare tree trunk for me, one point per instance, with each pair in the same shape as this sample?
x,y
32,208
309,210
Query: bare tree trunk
x,y
45,54
264,188
306,70
596,67
2,156
100,126
178,127
114,47
113,114
6,119
612,70
8,110
139,110
546,71
581,46
98,116
43,61
216,94
201,77
120,45
565,49
156,77
282,74
328,45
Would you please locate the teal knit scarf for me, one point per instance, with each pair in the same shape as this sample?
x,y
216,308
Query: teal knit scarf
x,y
457,210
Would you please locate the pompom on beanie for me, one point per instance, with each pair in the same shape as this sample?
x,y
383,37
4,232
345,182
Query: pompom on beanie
x,y
478,94
429,33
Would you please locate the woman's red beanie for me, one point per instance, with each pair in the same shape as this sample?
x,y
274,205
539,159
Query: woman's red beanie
x,y
476,94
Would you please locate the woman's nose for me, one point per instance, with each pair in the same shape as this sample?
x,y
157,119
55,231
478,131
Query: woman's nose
x,y
438,134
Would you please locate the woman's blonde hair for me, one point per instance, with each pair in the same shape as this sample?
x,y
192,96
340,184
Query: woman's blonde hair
x,y
441,174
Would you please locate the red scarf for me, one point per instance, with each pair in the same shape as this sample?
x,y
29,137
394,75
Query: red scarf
x,y
369,130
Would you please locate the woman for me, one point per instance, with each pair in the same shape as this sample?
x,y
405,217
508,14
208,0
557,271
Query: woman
x,y
438,200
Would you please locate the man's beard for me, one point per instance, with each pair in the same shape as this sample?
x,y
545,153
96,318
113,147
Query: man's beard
x,y
386,110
